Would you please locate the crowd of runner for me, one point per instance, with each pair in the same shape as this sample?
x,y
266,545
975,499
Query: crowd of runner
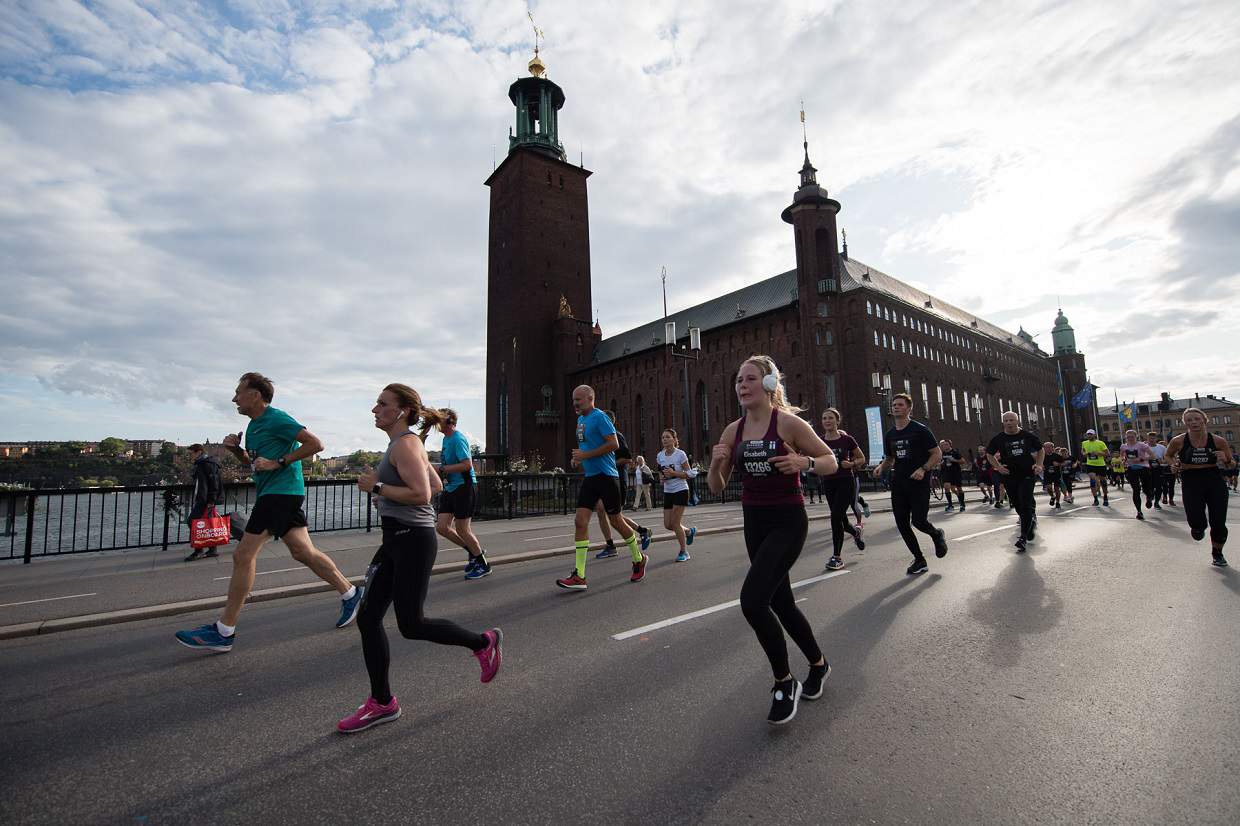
x,y
772,449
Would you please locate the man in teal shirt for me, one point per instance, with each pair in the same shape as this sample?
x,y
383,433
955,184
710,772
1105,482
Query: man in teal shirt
x,y
275,445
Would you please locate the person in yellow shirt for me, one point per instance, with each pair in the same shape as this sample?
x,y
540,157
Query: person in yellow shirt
x,y
1094,455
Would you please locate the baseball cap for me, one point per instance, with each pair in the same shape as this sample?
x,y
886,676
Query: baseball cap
x,y
1091,432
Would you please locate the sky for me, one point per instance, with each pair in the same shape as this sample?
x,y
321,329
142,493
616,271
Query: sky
x,y
192,190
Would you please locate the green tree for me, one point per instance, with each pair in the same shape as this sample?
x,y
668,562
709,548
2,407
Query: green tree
x,y
112,446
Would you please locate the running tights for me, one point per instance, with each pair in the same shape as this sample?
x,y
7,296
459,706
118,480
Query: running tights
x,y
1205,503
841,494
910,505
1020,491
400,573
1139,478
774,536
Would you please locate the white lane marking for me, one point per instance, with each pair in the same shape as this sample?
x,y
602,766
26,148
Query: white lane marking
x,y
723,606
49,599
553,536
277,571
1071,510
1011,527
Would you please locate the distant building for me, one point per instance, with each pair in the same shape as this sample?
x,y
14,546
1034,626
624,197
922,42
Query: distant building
x,y
1163,417
843,333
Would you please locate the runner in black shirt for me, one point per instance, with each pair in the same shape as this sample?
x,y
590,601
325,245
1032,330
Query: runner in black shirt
x,y
1053,475
1016,455
911,453
952,474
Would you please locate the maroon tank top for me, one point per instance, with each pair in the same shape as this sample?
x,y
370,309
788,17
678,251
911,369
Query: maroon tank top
x,y
761,482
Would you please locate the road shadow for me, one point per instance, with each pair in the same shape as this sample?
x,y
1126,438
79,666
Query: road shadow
x,y
1229,577
1018,605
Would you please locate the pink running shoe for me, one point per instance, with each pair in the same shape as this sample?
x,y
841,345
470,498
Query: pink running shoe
x,y
369,713
491,656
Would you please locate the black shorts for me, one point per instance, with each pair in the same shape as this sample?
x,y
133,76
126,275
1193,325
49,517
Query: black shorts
x,y
951,476
600,488
459,502
277,514
678,499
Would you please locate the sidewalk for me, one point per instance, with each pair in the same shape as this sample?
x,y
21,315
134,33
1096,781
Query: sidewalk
x,y
83,590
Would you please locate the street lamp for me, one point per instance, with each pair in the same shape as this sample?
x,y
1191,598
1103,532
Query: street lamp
x,y
688,353
976,402
882,388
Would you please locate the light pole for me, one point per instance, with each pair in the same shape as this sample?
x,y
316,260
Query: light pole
x,y
882,388
688,353
977,415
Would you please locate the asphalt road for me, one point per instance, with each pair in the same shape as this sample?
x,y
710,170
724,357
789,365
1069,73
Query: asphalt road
x,y
1092,680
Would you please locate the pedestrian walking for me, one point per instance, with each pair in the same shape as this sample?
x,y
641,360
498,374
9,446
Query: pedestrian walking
x,y
208,492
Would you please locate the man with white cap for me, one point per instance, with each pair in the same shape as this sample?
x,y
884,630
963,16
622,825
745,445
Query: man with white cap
x,y
1095,454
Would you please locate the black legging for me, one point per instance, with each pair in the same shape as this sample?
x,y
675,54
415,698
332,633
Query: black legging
x,y
400,572
774,536
1205,503
1139,477
840,495
1020,491
910,505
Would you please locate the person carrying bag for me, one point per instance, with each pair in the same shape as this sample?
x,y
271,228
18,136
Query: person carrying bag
x,y
204,522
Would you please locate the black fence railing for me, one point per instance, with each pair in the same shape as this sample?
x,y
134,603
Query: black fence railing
x,y
77,520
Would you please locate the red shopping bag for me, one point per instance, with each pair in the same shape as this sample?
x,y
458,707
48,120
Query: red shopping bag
x,y
209,530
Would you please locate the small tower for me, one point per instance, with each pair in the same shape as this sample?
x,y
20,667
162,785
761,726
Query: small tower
x,y
1062,336
538,271
812,215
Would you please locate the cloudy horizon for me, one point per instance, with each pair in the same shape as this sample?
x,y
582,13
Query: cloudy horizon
x,y
194,190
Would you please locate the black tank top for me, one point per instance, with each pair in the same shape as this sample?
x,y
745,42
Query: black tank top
x,y
1203,456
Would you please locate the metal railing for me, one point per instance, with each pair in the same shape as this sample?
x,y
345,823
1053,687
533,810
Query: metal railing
x,y
59,521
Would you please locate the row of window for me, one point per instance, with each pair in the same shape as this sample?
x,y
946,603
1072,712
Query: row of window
x,y
915,348
873,308
1031,414
1165,425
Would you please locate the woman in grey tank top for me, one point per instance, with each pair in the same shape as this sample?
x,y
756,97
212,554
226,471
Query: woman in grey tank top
x,y
400,571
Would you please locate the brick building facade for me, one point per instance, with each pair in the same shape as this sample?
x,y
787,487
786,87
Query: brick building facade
x,y
838,328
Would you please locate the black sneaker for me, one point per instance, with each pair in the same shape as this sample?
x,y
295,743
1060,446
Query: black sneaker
x,y
784,702
812,688
211,552
194,554
1141,516
834,563
1105,503
1020,545
1157,506
998,505
1095,501
1219,560
860,543
940,544
1198,534
918,567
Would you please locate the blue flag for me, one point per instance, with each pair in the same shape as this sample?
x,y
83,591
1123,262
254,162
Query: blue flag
x,y
1084,397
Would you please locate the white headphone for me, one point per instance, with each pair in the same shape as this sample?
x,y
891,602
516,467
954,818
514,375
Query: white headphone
x,y
770,382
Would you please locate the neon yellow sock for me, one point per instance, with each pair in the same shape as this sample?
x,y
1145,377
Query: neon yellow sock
x,y
583,550
633,549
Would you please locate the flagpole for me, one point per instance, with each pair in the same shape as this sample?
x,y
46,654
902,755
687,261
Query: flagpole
x,y
1063,404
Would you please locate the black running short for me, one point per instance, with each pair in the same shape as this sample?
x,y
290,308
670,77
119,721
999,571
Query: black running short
x,y
951,475
459,502
277,514
600,488
678,499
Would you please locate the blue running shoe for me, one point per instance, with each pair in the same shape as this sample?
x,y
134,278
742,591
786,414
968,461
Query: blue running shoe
x,y
865,508
683,556
607,552
206,638
348,609
481,568
645,535
469,566
689,536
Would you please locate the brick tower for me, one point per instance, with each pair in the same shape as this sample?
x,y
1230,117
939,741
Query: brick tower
x,y
1071,367
538,280
812,215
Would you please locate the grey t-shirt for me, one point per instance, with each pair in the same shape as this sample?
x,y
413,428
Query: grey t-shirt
x,y
417,516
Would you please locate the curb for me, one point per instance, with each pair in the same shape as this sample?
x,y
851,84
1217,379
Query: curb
x,y
52,626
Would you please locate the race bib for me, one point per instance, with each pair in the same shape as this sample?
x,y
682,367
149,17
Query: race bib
x,y
756,457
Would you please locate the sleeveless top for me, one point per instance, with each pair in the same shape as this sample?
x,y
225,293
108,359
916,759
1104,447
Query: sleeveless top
x,y
415,516
842,446
761,483
1205,456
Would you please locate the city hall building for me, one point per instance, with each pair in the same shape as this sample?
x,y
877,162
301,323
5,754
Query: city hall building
x,y
844,333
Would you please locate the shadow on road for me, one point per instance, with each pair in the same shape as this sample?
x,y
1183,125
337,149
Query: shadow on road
x,y
1230,578
1019,604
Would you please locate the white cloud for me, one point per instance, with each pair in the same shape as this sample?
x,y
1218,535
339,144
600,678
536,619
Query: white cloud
x,y
189,192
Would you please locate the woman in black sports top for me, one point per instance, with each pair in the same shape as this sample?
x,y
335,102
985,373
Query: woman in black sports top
x,y
1195,457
